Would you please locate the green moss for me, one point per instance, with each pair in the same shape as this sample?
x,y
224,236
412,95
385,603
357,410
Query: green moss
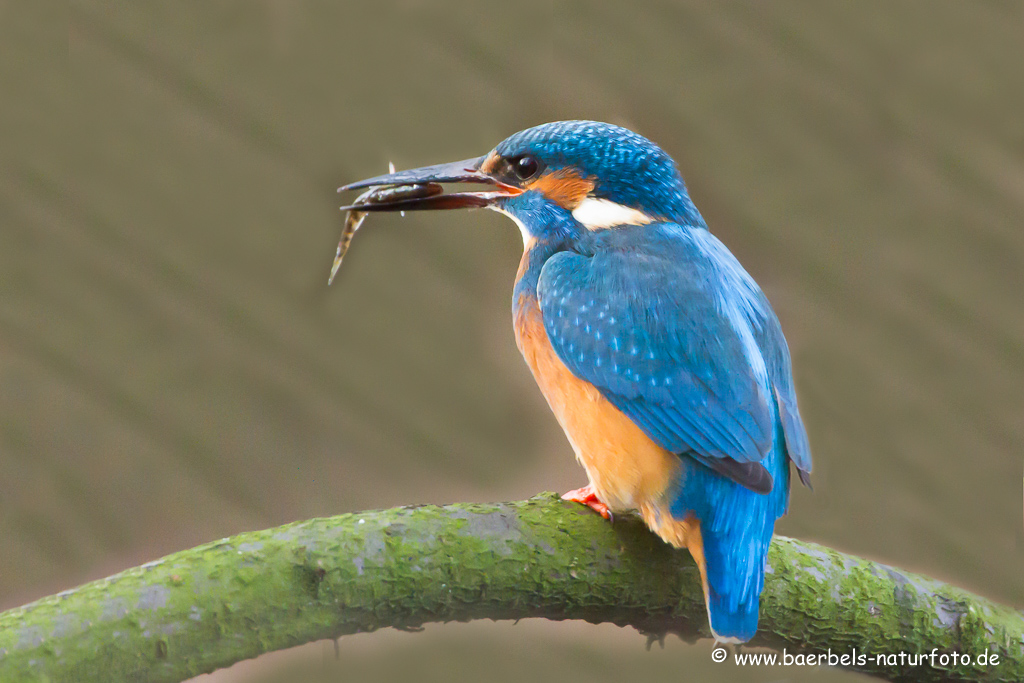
x,y
233,599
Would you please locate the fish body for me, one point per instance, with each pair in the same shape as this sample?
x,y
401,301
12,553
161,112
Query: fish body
x,y
376,195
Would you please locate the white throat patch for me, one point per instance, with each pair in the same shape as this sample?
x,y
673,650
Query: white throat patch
x,y
594,214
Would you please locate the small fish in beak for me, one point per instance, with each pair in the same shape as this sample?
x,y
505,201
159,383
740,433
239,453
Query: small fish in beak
x,y
418,189
377,195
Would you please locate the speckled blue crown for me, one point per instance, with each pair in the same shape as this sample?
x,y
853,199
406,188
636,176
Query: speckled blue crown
x,y
630,169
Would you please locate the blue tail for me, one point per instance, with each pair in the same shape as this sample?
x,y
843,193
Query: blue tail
x,y
735,570
736,527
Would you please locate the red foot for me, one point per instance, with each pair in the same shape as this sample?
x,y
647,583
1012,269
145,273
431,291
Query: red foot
x,y
588,497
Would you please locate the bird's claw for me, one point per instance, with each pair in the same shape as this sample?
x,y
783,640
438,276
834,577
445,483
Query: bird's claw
x,y
588,497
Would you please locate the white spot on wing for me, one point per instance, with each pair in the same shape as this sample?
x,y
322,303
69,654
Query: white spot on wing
x,y
594,214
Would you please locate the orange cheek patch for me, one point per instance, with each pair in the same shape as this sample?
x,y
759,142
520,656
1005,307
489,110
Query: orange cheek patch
x,y
565,187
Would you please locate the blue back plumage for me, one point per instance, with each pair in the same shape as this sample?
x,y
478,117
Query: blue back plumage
x,y
665,322
639,320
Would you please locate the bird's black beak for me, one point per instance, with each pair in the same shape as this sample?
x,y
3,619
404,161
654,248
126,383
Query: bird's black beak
x,y
431,197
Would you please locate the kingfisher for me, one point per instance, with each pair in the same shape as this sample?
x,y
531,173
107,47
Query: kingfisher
x,y
659,355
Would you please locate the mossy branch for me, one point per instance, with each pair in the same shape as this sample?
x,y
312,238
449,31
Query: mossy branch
x,y
208,607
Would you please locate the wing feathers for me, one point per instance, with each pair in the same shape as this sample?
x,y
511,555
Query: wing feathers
x,y
650,332
751,475
796,436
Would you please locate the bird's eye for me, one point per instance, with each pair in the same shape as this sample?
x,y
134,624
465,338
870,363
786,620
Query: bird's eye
x,y
525,166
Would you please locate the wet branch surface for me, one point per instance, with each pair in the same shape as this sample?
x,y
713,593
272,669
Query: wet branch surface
x,y
211,606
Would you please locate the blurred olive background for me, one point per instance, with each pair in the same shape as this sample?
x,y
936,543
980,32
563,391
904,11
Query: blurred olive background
x,y
173,368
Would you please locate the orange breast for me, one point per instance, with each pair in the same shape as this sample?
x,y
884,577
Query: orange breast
x,y
628,470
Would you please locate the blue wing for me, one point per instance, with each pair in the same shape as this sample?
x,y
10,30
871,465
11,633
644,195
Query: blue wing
x,y
669,327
